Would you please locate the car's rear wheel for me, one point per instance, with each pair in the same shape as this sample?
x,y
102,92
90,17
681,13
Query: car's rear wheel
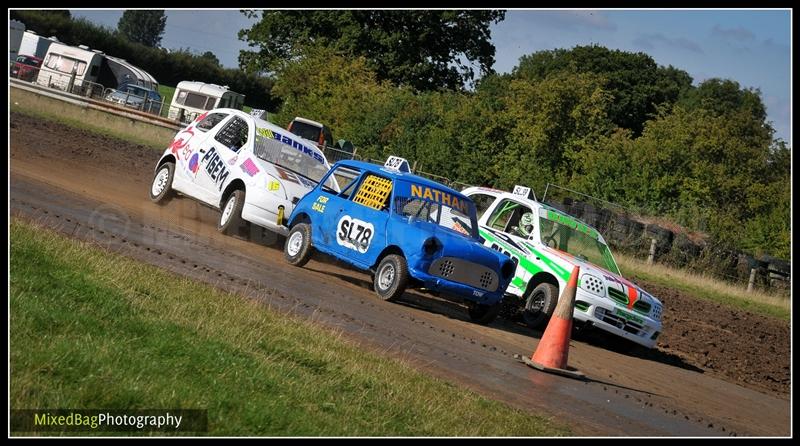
x,y
161,188
230,220
298,250
540,304
391,277
483,314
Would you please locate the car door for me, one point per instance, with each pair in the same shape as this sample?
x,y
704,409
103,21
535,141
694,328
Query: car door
x,y
188,147
361,224
219,153
331,204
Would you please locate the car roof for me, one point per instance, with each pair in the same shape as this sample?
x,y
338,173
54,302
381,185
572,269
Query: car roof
x,y
528,201
308,121
397,175
261,123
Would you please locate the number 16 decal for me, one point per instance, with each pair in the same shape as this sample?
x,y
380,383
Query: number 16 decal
x,y
355,234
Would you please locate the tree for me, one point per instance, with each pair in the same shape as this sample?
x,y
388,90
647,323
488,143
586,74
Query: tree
x,y
212,57
426,50
637,84
145,27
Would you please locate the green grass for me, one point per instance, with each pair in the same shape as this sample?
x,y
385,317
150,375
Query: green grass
x,y
166,93
91,329
706,287
149,140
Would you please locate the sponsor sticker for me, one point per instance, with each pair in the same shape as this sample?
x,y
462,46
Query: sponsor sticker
x,y
194,163
319,205
249,167
354,234
215,167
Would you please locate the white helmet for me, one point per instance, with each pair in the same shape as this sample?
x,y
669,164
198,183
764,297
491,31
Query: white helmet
x,y
526,224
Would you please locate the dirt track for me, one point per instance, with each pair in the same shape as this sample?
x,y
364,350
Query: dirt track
x,y
716,371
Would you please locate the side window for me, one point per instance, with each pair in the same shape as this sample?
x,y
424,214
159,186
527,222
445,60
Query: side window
x,y
328,137
234,134
346,179
374,192
211,121
508,217
482,202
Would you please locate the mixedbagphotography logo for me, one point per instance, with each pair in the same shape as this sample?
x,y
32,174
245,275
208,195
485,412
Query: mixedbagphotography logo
x,y
109,420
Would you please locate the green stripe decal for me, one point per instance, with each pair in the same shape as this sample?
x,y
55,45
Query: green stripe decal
x,y
523,261
561,272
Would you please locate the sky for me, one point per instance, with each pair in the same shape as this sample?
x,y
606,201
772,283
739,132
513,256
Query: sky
x,y
751,46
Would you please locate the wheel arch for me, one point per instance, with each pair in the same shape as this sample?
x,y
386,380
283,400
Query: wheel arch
x,y
540,278
170,158
236,184
391,249
299,218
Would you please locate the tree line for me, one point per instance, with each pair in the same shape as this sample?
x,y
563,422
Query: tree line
x,y
168,67
608,123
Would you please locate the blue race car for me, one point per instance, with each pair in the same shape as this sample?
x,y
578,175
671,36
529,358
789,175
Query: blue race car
x,y
406,230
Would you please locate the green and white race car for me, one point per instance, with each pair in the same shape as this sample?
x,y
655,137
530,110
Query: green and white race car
x,y
546,244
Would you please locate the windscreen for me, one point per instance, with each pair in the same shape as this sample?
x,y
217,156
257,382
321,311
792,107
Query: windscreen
x,y
577,239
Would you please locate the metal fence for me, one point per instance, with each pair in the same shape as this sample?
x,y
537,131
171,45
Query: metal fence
x,y
71,83
635,232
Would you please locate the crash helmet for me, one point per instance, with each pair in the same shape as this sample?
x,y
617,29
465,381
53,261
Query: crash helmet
x,y
526,224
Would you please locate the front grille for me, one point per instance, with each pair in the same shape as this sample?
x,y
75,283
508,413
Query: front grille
x,y
465,272
642,307
446,269
619,322
617,296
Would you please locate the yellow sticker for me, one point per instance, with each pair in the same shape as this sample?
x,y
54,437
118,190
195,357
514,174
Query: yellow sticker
x,y
274,185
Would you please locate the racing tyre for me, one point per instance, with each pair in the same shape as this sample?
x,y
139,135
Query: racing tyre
x,y
483,314
391,277
539,305
297,250
161,187
230,220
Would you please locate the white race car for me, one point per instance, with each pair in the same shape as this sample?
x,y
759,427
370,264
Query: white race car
x,y
249,168
546,244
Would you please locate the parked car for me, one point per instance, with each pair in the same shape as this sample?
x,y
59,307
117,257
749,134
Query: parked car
x,y
406,230
26,68
312,131
135,96
545,245
250,169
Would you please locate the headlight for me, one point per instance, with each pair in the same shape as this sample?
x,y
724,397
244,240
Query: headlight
x,y
431,246
655,311
593,285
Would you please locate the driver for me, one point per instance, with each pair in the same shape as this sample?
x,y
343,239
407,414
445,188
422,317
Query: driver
x,y
526,224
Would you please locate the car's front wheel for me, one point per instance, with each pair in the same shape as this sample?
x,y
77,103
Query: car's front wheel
x,y
161,188
230,220
483,314
391,277
540,304
297,250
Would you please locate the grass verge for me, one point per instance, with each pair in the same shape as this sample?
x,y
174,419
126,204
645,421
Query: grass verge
x,y
91,329
122,134
706,287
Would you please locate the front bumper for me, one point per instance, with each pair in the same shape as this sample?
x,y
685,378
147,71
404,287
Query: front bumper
x,y
616,319
441,285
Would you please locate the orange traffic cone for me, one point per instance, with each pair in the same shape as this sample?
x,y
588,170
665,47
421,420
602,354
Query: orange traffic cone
x,y
553,349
